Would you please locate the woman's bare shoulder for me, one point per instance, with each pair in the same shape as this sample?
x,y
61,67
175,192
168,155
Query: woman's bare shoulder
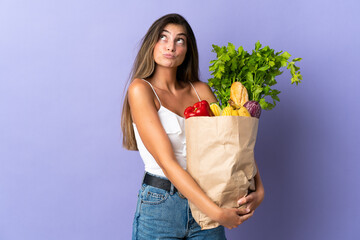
x,y
204,91
139,86
139,89
200,84
141,99
140,93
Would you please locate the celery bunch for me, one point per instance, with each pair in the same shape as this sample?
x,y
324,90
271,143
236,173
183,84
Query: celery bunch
x,y
256,71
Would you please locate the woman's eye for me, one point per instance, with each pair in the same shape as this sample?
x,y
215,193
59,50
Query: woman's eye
x,y
162,37
181,41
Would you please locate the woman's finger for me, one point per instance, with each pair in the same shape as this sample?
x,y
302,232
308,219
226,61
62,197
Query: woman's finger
x,y
245,217
242,201
246,199
243,211
250,197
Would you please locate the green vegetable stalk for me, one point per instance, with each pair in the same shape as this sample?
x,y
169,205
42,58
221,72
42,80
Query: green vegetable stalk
x,y
256,71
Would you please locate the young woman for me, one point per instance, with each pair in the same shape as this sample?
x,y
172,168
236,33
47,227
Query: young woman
x,y
164,82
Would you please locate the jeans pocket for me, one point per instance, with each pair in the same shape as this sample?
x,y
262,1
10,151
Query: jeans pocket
x,y
153,196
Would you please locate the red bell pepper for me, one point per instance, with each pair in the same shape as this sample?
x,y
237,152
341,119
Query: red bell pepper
x,y
201,108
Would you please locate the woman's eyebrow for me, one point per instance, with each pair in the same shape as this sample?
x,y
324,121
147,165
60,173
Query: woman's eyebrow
x,y
177,34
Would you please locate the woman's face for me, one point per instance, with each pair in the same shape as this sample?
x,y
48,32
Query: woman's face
x,y
170,49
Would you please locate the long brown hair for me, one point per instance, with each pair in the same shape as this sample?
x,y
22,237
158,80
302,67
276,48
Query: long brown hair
x,y
144,67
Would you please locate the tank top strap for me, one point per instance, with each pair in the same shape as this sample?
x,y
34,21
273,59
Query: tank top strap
x,y
153,90
195,91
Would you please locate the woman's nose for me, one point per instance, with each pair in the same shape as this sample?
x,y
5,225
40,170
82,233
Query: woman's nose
x,y
171,46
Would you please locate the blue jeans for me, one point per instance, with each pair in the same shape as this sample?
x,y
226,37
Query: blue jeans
x,y
165,215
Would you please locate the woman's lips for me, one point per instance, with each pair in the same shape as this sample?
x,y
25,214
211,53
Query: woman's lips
x,y
167,55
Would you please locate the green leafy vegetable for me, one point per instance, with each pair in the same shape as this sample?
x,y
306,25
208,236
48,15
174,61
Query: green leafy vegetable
x,y
256,71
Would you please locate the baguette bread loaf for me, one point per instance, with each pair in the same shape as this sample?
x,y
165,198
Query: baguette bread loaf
x,y
238,94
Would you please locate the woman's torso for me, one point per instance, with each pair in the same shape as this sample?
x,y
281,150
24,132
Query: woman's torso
x,y
174,126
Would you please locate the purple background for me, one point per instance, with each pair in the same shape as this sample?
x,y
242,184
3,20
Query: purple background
x,y
63,67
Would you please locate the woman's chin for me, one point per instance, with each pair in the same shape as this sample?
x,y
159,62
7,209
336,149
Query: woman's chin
x,y
168,65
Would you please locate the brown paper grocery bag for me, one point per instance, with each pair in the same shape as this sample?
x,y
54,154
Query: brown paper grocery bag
x,y
220,157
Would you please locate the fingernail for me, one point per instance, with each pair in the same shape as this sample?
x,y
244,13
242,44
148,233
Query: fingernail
x,y
248,210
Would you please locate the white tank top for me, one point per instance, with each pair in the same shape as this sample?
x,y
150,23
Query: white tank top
x,y
174,126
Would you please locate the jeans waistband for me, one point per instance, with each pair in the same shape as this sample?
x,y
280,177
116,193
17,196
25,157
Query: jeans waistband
x,y
158,182
161,183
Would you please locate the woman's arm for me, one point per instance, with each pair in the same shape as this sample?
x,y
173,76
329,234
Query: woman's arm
x,y
155,139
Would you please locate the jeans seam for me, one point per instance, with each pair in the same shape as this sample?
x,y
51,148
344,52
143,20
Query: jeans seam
x,y
136,228
135,231
188,218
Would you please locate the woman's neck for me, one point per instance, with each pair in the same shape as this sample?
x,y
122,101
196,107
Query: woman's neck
x,y
165,79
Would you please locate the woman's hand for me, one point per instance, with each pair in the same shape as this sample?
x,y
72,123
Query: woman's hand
x,y
253,200
233,217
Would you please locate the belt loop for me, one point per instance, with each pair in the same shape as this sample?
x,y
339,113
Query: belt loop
x,y
172,189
